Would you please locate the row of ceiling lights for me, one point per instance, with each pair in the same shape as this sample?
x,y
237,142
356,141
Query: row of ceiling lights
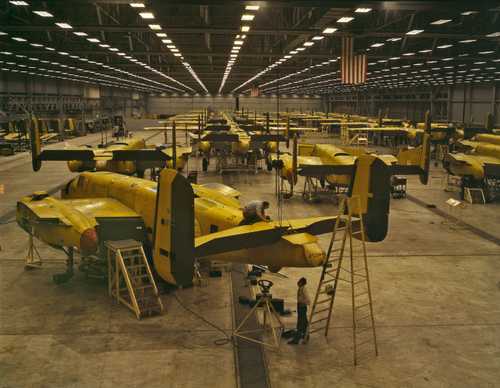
x,y
246,18
67,26
157,28
305,46
52,50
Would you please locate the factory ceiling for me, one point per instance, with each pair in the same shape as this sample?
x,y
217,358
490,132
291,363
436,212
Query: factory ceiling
x,y
211,47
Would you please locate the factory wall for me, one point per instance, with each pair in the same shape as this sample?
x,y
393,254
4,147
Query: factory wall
x,y
458,103
181,104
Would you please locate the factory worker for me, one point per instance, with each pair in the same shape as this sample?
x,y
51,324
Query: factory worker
x,y
255,211
303,301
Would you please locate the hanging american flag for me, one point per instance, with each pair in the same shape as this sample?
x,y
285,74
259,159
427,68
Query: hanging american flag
x,y
353,67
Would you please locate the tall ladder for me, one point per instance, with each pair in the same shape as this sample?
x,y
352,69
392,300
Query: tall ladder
x,y
130,279
348,232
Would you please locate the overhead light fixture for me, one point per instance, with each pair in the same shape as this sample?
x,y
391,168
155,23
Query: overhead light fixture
x,y
79,33
177,54
44,14
377,45
362,10
394,39
493,35
468,13
247,17
408,54
309,44
414,32
161,35
485,52
252,7
329,30
441,21
167,41
245,28
104,45
19,39
318,37
121,54
50,49
174,50
147,15
238,42
64,26
93,40
293,52
19,3
36,44
155,27
345,19
113,49
468,41
137,5
443,46
425,51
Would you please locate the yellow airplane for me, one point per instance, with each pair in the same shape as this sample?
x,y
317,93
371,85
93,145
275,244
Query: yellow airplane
x,y
335,163
178,221
478,165
128,156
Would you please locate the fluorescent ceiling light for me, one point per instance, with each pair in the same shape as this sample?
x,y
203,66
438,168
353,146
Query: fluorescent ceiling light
x,y
93,40
362,10
104,45
50,49
414,32
493,35
19,3
36,44
63,53
113,49
120,54
377,45
177,54
425,51
408,54
161,34
309,44
247,17
468,41
245,28
64,26
167,41
155,27
252,7
318,37
238,42
171,46
441,21
345,19
300,48
147,15
79,33
443,46
293,52
174,50
44,14
137,5
485,52
19,39
468,13
329,30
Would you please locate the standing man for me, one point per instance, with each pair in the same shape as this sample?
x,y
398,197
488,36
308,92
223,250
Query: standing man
x,y
303,301
255,211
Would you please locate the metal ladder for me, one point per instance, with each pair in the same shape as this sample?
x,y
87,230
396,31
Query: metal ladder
x,y
354,271
130,279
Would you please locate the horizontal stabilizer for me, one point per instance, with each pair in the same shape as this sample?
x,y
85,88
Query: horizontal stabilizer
x,y
63,155
322,170
267,137
135,155
221,137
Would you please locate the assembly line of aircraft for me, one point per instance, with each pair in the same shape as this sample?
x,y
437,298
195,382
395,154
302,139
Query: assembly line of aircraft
x,y
178,222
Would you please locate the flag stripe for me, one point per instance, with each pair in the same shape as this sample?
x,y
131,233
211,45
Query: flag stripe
x,y
353,68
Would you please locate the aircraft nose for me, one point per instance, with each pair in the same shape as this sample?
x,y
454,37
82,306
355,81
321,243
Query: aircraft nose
x,y
88,242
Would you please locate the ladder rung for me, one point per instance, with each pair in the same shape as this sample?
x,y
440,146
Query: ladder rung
x,y
317,329
321,311
318,320
323,301
363,318
366,342
362,330
360,294
363,305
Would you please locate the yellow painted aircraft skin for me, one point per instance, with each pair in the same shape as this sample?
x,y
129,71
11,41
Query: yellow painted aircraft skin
x,y
484,151
71,221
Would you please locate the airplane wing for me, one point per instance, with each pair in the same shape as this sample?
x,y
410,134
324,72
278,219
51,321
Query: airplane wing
x,y
222,189
259,234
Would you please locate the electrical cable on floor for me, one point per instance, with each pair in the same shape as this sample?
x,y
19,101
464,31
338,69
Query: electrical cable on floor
x,y
219,342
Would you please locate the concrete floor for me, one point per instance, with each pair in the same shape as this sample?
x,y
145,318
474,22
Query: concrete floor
x,y
435,288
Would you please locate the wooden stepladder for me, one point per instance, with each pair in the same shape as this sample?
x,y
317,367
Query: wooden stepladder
x,y
346,262
130,279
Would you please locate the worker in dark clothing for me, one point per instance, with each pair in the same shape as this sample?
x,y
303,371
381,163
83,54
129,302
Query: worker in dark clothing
x,y
255,211
303,301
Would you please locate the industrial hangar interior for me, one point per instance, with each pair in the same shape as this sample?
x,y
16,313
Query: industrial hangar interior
x,y
249,193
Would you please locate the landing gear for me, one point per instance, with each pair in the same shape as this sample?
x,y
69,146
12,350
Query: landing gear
x,y
64,277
